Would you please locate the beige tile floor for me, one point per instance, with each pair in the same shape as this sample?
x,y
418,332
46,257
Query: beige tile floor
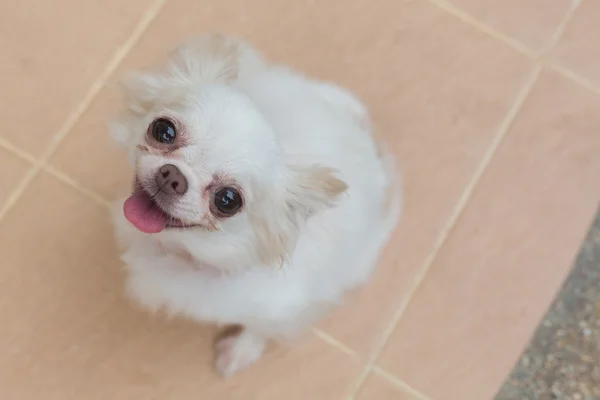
x,y
493,107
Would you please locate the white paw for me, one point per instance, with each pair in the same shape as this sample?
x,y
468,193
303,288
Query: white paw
x,y
238,351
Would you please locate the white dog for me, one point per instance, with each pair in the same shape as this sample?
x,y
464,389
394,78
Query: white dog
x,y
260,196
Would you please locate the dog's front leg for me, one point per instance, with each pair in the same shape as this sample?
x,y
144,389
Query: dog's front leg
x,y
238,348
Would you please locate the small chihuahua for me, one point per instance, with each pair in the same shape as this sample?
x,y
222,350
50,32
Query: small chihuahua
x,y
259,195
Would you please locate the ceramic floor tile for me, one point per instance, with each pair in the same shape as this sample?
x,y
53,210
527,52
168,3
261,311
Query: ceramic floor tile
x,y
509,252
12,170
67,332
377,387
578,50
50,58
531,22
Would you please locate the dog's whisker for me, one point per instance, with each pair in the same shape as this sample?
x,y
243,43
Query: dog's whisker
x,y
160,188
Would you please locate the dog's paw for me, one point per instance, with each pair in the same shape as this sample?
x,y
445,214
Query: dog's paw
x,y
237,351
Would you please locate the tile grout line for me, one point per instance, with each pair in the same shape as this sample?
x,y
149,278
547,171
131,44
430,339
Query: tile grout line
x,y
52,171
332,341
573,77
405,387
555,65
9,147
18,190
483,27
93,91
76,185
29,175
507,40
561,28
520,47
503,129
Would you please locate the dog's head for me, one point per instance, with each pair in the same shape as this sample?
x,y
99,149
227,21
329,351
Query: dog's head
x,y
209,169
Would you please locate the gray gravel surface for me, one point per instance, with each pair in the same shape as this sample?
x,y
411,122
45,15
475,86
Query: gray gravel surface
x,y
562,361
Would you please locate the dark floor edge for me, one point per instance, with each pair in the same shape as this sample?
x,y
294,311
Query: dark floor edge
x,y
562,361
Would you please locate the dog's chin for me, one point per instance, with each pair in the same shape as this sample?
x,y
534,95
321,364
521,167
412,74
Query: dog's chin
x,y
144,212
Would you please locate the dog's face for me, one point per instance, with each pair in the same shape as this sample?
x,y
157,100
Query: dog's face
x,y
199,162
209,171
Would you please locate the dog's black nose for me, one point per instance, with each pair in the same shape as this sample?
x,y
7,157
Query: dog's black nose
x,y
171,181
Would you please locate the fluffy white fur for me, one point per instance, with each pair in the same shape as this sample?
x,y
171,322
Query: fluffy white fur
x,y
321,198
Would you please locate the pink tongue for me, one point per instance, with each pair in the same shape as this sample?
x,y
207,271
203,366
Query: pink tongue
x,y
143,213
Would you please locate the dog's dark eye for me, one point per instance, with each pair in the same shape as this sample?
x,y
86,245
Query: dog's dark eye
x,y
227,201
163,131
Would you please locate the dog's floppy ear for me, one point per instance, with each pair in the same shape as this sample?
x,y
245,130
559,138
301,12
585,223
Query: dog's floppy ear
x,y
308,191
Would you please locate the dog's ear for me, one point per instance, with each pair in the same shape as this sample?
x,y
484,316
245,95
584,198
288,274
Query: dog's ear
x,y
206,58
308,191
313,188
143,89
212,57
